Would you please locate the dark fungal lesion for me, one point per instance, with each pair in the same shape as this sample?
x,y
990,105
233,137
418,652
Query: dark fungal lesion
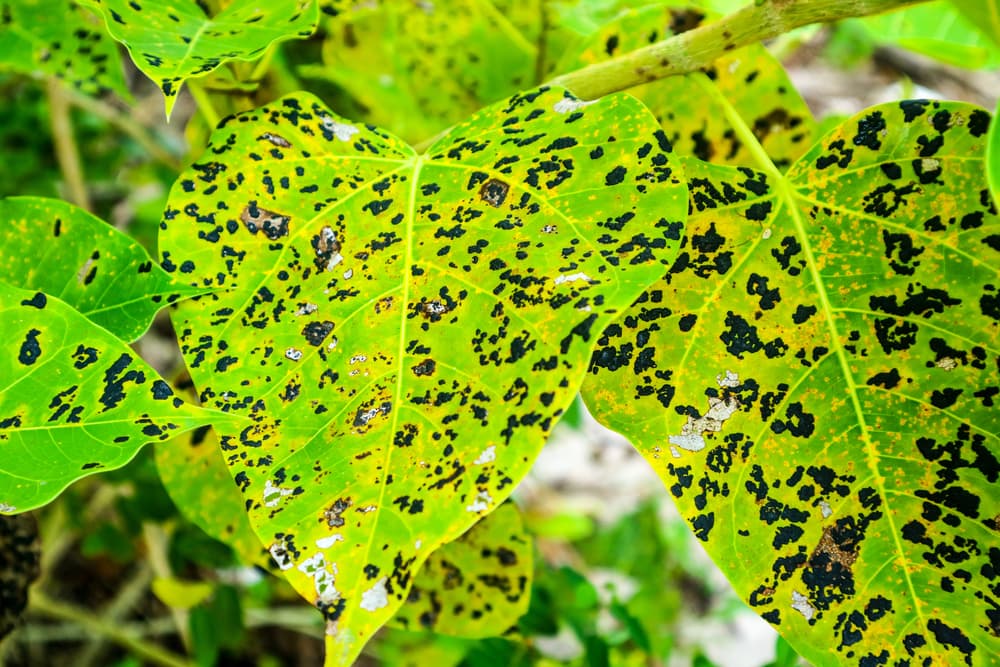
x,y
274,225
494,192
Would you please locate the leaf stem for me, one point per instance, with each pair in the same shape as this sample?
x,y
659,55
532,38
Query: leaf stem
x,y
698,48
43,604
65,143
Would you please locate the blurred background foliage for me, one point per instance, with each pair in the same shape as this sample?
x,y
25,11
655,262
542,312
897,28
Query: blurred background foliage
x,y
618,578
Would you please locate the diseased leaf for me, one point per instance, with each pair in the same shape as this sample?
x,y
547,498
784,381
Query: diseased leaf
x,y
816,380
174,40
405,329
993,157
61,39
60,249
476,586
74,400
751,79
195,475
456,57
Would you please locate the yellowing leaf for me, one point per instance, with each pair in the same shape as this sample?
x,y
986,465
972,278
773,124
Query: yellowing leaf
x,y
63,251
174,40
74,400
816,380
403,330
476,586
180,594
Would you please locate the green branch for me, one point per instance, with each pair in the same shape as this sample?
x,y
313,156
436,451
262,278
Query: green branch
x,y
67,153
693,50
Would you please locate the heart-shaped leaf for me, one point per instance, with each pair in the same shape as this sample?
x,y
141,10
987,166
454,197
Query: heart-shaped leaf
x,y
405,329
61,39
60,249
816,382
74,400
476,586
174,40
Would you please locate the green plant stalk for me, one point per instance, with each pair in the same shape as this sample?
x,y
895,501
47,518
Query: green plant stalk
x,y
204,104
156,543
128,596
67,153
43,604
698,48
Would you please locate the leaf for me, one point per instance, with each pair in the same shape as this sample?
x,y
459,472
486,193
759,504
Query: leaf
x,y
65,252
750,78
171,41
816,378
180,594
993,158
61,39
937,30
456,57
983,14
405,329
74,401
197,479
476,586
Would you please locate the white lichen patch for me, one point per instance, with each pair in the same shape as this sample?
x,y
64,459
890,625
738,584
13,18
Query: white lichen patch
x,y
719,410
375,597
566,105
293,354
343,131
489,455
825,509
329,540
572,277
731,379
481,503
274,493
801,604
323,575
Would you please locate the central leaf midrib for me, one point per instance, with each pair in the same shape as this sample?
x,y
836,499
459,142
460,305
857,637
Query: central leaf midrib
x,y
788,194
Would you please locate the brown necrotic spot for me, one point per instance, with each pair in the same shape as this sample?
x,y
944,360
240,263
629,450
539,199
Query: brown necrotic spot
x,y
425,367
332,514
274,225
275,139
494,192
327,249
316,332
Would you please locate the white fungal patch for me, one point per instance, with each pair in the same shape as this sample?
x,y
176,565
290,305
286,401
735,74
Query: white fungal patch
x,y
84,271
329,540
333,343
417,545
766,234
572,277
366,509
801,604
489,455
293,353
375,597
306,309
348,274
946,364
930,164
280,555
549,229
719,410
274,493
481,503
323,575
731,379
358,358
566,105
7,509
342,131
824,509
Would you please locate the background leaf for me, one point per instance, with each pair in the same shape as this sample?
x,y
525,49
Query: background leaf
x,y
477,585
174,40
75,400
815,381
404,330
750,78
63,251
984,14
61,39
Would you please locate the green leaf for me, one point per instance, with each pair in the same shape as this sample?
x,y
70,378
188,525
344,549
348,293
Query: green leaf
x,y
476,586
456,57
816,378
57,248
75,400
405,329
171,41
993,157
751,79
983,14
180,594
61,39
937,30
